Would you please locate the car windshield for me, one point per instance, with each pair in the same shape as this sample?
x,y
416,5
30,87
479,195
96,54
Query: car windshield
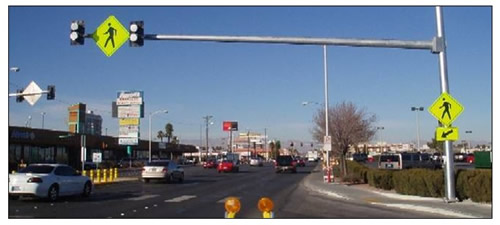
x,y
284,159
391,158
157,164
37,169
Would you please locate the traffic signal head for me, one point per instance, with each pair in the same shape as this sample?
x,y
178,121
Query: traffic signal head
x,y
136,30
77,34
51,95
291,144
19,98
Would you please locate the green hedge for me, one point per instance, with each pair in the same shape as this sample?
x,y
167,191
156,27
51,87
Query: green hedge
x,y
380,179
470,184
474,184
421,182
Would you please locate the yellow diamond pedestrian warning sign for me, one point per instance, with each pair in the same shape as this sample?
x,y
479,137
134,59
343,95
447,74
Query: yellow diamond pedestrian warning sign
x,y
110,35
446,109
446,133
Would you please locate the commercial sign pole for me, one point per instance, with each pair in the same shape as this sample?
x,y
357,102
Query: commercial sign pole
x,y
443,72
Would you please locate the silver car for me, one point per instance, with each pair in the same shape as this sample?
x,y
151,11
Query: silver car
x,y
162,169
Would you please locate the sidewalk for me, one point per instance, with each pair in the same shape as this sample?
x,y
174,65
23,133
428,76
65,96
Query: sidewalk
x,y
369,195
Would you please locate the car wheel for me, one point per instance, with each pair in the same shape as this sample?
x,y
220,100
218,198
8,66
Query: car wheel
x,y
181,178
170,178
87,189
53,193
13,197
294,171
145,180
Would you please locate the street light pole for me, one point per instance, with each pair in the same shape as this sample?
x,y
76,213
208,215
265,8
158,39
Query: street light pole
x,y
468,143
151,115
380,137
43,118
418,125
207,119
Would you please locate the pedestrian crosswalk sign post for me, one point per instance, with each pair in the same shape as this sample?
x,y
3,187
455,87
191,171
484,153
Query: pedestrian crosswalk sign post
x,y
446,109
446,133
110,35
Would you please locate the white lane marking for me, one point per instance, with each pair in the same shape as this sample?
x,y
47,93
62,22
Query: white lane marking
x,y
224,199
181,198
143,197
426,209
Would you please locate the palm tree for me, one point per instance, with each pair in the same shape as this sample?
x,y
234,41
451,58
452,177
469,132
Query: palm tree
x,y
160,135
169,130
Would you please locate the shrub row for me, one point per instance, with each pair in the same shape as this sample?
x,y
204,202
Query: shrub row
x,y
474,184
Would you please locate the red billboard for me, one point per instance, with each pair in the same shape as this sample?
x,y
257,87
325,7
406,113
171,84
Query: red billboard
x,y
229,126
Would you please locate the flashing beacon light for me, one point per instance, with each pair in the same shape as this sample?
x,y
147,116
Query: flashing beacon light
x,y
232,206
266,206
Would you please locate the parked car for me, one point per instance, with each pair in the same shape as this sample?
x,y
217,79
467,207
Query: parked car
x,y
470,158
48,181
227,166
162,169
359,157
407,160
210,164
285,163
256,162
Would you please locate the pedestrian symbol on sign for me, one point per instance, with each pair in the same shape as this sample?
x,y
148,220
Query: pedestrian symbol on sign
x,y
446,109
111,32
447,106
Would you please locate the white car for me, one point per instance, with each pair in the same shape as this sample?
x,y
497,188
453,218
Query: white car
x,y
48,181
256,162
162,169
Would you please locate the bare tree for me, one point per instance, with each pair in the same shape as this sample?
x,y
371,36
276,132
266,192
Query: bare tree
x,y
348,126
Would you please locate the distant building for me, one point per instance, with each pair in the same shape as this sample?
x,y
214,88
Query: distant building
x,y
81,121
93,123
250,143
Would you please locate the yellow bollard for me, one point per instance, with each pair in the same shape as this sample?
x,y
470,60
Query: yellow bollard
x,y
84,173
98,176
13,171
116,173
232,206
110,175
104,178
91,173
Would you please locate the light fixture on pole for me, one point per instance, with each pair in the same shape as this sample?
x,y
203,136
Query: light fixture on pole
x,y
151,115
418,129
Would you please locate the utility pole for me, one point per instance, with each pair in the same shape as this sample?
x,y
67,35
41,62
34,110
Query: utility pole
x,y
265,144
207,119
418,125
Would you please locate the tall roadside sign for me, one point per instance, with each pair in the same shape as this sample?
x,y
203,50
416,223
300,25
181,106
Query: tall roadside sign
x,y
230,126
129,111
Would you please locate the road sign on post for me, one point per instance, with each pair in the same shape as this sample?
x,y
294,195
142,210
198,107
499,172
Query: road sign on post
x,y
32,93
446,109
327,143
446,133
110,35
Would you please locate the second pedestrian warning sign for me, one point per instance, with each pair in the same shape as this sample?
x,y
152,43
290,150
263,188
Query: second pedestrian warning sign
x,y
446,109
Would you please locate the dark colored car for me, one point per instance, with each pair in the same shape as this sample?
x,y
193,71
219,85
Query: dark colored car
x,y
359,157
285,163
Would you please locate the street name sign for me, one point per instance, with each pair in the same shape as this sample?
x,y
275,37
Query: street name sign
x,y
446,133
110,35
446,109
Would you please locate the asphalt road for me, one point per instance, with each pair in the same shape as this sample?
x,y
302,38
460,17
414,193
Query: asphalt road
x,y
202,195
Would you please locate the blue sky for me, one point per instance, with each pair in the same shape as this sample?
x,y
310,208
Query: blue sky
x,y
258,85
